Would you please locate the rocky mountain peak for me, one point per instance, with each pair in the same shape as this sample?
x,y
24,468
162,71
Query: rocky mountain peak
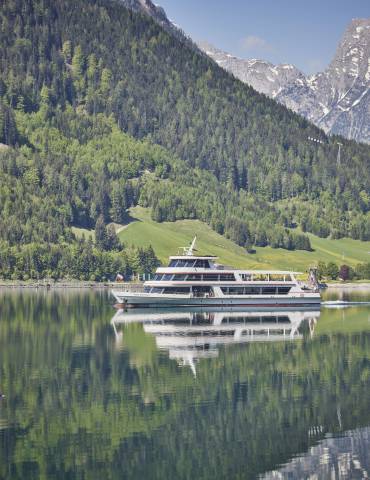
x,y
352,58
337,99
263,76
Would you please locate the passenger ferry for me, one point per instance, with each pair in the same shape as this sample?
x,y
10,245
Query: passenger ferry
x,y
193,280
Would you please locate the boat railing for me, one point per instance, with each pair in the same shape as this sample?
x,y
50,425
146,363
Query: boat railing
x,y
202,294
130,287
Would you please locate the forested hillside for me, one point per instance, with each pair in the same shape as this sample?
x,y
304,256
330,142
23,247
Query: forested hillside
x,y
102,110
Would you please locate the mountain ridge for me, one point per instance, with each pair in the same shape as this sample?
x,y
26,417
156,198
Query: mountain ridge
x,y
263,76
337,99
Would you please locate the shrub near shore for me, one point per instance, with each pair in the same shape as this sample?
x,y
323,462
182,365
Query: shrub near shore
x,y
331,271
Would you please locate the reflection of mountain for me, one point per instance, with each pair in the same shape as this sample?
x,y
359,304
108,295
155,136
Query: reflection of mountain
x,y
189,336
346,457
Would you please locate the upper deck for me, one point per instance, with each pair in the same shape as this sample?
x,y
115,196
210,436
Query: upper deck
x,y
203,268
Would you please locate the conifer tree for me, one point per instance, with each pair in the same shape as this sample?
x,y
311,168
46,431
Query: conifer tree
x,y
100,233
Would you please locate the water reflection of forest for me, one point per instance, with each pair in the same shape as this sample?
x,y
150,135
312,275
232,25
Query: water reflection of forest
x,y
84,398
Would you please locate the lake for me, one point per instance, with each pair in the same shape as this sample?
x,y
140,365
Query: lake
x,y
96,393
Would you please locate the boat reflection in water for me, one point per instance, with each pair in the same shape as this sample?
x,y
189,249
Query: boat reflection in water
x,y
191,335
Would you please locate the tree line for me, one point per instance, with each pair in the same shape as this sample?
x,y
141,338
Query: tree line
x,y
81,260
343,272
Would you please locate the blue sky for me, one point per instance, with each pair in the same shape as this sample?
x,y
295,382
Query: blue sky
x,y
302,32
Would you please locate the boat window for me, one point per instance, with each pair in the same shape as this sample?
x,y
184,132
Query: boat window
x,y
180,277
214,277
156,290
202,291
183,263
246,277
283,290
236,290
167,276
227,277
195,276
268,290
202,264
158,276
252,290
173,263
146,289
260,277
276,277
176,290
233,290
189,263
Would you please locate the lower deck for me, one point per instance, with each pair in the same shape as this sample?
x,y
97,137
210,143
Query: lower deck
x,y
130,299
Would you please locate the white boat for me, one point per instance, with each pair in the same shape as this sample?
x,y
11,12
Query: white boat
x,y
194,280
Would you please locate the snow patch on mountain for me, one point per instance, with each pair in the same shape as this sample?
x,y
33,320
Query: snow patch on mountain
x,y
337,99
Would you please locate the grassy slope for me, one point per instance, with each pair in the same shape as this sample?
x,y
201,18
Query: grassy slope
x,y
79,232
167,237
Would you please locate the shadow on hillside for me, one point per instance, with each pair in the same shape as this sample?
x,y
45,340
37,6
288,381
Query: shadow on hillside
x,y
128,220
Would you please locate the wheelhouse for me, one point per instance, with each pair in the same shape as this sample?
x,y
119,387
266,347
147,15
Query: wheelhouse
x,y
181,262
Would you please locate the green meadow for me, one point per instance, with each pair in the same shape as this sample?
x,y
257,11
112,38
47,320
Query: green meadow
x,y
167,237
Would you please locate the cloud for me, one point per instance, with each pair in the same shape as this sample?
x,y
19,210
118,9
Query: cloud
x,y
252,42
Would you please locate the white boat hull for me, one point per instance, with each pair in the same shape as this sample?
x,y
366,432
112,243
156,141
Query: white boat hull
x,y
130,299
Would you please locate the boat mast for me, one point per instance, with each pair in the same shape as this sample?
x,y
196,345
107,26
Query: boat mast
x,y
189,250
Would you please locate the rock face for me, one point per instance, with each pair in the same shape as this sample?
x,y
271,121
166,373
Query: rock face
x,y
337,100
261,75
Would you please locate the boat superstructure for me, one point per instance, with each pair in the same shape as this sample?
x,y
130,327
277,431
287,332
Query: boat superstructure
x,y
197,280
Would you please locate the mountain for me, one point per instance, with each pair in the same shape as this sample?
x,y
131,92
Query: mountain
x,y
102,109
263,76
337,100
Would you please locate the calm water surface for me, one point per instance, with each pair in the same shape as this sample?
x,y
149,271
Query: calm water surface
x,y
96,393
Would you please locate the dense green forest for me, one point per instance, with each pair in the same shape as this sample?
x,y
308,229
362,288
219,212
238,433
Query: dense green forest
x,y
97,116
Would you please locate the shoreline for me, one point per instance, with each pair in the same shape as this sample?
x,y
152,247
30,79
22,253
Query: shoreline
x,y
49,285
59,285
364,284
